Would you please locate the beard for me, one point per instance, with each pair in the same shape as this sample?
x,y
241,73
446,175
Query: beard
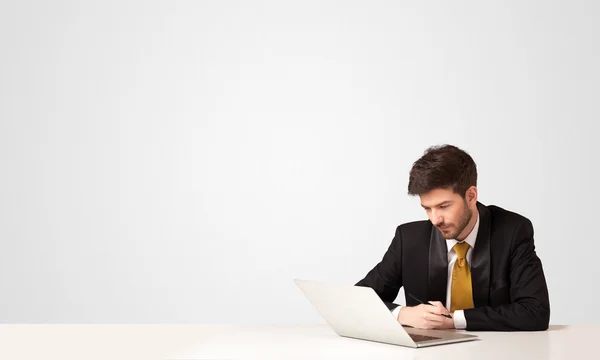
x,y
462,224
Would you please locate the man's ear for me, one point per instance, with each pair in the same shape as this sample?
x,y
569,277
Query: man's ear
x,y
471,194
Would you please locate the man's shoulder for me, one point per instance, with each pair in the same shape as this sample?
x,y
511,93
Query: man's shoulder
x,y
503,217
413,227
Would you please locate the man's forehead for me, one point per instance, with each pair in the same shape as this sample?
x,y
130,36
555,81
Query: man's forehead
x,y
437,197
436,203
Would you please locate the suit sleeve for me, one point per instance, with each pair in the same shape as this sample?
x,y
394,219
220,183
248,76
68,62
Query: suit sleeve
x,y
529,307
386,277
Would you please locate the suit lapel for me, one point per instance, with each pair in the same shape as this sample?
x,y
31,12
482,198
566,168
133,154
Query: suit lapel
x,y
480,262
438,267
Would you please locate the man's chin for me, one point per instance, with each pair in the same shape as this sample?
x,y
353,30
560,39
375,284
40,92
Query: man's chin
x,y
447,234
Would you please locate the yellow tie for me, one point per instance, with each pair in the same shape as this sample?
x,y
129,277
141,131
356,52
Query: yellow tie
x,y
462,290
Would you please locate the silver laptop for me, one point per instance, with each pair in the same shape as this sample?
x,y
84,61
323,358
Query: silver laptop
x,y
357,312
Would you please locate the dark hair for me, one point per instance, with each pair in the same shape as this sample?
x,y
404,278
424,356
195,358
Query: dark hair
x,y
443,166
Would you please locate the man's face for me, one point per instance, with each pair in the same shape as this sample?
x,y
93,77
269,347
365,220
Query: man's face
x,y
447,211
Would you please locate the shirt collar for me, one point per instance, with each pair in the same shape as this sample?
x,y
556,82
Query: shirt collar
x,y
471,238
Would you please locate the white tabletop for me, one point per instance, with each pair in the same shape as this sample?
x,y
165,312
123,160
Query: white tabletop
x,y
150,342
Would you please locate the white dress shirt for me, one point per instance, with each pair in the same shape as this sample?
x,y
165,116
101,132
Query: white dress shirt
x,y
459,316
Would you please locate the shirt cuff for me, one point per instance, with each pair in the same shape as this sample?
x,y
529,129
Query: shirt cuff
x,y
460,322
396,311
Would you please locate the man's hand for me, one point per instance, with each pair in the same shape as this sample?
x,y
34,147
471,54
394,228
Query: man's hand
x,y
426,316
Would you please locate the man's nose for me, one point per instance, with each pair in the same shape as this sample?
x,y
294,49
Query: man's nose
x,y
437,219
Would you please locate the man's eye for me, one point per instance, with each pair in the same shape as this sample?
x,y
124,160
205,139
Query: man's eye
x,y
444,206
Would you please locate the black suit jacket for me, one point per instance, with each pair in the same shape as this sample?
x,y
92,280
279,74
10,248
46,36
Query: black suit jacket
x,y
509,287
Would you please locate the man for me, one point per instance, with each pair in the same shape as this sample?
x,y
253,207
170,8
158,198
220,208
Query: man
x,y
475,265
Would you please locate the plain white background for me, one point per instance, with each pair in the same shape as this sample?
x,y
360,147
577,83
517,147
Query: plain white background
x,y
184,161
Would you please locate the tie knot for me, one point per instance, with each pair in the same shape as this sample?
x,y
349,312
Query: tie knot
x,y
461,249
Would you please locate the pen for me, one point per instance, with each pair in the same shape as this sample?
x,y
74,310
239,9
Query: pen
x,y
414,297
